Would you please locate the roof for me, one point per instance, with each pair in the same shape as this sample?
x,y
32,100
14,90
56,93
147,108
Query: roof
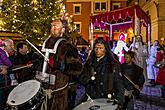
x,y
121,15
11,35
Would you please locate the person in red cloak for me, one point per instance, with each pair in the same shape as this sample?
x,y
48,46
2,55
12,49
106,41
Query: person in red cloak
x,y
161,73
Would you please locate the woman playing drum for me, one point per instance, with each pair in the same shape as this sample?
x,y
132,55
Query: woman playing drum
x,y
101,74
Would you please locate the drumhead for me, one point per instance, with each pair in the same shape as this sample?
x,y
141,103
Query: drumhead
x,y
23,92
96,104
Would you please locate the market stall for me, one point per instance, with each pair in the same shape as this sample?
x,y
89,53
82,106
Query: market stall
x,y
131,17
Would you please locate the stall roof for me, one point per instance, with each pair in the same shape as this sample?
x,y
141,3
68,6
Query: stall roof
x,y
121,15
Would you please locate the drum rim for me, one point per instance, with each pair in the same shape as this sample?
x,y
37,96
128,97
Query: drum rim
x,y
29,98
92,101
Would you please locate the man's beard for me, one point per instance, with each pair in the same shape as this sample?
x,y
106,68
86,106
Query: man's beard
x,y
55,35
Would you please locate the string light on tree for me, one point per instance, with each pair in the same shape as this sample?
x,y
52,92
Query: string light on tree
x,y
31,18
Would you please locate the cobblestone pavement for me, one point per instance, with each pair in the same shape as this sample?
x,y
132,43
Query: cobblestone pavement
x,y
150,99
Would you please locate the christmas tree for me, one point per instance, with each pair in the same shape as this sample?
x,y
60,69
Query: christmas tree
x,y
31,18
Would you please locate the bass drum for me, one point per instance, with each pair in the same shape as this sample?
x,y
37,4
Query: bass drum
x,y
96,104
26,96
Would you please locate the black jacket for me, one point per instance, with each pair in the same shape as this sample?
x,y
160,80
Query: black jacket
x,y
135,73
108,79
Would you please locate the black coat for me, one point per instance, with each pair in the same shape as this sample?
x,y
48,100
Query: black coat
x,y
107,79
26,73
135,73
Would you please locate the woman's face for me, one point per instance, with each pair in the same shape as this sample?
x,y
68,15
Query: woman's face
x,y
99,50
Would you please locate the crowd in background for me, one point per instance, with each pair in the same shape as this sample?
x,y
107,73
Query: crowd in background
x,y
102,72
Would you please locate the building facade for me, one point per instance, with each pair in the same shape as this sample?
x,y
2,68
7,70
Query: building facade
x,y
81,10
155,9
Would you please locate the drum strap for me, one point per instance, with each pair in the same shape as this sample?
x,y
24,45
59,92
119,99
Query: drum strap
x,y
48,93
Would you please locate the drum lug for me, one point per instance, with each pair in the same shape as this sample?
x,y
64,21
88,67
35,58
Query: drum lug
x,y
14,108
30,102
34,107
35,92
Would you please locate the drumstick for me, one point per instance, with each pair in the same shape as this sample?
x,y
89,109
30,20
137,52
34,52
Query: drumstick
x,y
131,82
36,49
89,98
22,67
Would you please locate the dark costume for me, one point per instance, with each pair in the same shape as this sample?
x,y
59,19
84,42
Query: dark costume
x,y
107,77
4,79
63,65
135,74
26,73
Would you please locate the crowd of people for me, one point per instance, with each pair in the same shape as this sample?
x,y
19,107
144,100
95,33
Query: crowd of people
x,y
110,70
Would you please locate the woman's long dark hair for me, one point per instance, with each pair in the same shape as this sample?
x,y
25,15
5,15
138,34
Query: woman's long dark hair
x,y
109,53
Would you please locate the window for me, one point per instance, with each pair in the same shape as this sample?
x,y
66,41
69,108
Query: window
x,y
103,6
77,9
97,6
115,6
100,6
78,26
147,12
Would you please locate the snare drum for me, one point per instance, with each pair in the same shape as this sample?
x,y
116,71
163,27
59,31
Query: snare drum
x,y
26,96
96,104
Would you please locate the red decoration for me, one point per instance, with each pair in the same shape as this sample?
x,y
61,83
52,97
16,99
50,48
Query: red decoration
x,y
121,15
96,37
104,37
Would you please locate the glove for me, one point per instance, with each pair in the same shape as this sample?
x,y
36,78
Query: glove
x,y
119,107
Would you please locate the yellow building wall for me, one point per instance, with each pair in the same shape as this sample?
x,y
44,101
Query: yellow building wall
x,y
84,17
87,9
156,9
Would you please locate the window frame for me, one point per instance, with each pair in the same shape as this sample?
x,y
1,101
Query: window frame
x,y
80,26
74,10
116,4
100,6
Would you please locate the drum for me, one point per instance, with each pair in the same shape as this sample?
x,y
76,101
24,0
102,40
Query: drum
x,y
96,104
26,96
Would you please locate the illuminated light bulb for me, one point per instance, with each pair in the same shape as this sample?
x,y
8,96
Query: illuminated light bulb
x,y
71,16
66,17
109,96
34,2
93,78
35,8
